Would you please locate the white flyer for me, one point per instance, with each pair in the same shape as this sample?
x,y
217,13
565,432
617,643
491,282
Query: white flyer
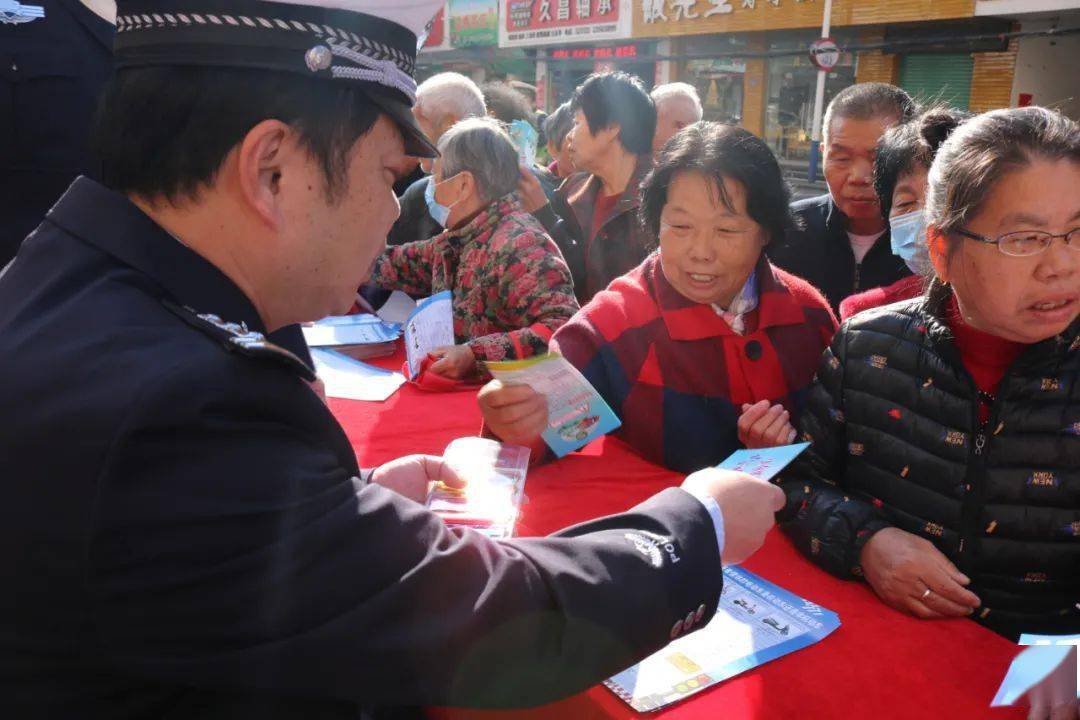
x,y
351,379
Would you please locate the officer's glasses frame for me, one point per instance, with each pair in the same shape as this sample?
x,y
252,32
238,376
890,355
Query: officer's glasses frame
x,y
1025,243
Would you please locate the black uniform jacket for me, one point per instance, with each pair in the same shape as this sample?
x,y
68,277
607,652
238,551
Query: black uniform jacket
x,y
185,531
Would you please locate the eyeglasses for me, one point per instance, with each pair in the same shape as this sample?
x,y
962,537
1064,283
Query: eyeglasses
x,y
1024,243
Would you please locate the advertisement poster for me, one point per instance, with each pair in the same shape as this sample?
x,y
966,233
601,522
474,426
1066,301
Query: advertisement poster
x,y
547,22
474,23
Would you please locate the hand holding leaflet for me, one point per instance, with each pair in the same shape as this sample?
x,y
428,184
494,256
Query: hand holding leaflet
x,y
430,326
763,463
576,412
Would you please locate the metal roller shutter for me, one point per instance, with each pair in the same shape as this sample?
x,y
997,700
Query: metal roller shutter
x,y
938,78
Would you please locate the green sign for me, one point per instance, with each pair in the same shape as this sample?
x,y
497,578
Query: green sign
x,y
474,22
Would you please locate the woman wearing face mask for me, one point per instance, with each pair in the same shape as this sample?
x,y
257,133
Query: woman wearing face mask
x,y
704,348
903,160
945,466
511,287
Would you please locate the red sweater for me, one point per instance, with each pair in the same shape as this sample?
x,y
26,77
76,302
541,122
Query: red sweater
x,y
986,357
903,289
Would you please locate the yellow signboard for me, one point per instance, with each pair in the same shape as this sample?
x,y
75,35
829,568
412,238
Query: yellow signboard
x,y
666,18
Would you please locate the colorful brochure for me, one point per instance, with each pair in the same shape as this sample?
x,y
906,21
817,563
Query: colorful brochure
x,y
755,622
576,412
491,500
351,379
430,326
763,463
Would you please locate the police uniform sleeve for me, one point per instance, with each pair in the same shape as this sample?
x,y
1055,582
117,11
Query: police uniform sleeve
x,y
232,548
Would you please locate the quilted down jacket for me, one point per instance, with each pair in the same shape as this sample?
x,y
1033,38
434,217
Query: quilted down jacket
x,y
893,418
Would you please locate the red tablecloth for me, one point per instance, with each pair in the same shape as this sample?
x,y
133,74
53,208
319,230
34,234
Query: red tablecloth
x,y
880,664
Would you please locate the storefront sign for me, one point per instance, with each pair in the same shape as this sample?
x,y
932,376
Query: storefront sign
x,y
548,22
824,53
666,18
474,22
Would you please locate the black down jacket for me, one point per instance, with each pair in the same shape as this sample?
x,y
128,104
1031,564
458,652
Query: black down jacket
x,y
893,418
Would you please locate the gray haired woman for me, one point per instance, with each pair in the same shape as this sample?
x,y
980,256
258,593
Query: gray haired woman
x,y
945,467
511,287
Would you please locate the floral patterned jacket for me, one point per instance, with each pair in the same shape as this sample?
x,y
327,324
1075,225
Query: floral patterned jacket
x,y
511,287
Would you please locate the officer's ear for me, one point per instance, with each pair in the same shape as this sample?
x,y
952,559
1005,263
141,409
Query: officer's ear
x,y
260,160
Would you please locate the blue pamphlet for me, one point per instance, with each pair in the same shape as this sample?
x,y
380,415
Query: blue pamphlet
x,y
755,622
350,330
763,463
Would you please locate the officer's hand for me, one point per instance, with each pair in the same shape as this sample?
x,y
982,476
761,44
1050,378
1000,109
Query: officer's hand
x,y
529,190
762,426
747,504
514,413
901,567
455,361
413,475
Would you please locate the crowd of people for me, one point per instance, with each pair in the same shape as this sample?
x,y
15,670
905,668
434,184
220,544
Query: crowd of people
x,y
944,467
208,544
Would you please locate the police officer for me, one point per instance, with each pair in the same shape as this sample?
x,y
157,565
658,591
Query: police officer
x,y
55,55
185,532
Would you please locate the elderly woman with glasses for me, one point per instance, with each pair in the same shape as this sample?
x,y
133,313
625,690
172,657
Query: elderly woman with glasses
x,y
510,284
706,347
945,466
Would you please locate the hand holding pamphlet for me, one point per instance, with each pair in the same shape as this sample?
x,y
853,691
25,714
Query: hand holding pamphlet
x,y
430,326
576,412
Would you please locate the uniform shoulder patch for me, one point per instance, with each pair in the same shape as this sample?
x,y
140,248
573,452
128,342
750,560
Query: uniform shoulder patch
x,y
236,337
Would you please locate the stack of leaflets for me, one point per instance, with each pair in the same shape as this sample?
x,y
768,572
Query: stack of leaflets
x,y
491,501
346,377
358,336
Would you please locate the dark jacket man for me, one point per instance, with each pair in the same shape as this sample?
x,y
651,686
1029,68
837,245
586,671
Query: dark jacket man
x,y
820,252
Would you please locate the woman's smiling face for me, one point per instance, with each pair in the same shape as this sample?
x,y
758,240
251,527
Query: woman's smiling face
x,y
708,247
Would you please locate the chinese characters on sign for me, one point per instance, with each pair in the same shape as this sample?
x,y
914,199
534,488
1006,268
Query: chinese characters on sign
x,y
653,11
543,22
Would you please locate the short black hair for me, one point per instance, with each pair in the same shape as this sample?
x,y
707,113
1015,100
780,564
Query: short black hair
x,y
720,151
506,104
864,101
909,144
165,131
616,98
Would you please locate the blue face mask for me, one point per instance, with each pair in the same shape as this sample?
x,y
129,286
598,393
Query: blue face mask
x,y
440,212
908,235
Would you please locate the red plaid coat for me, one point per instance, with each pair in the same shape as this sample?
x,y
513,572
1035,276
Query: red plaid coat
x,y
677,374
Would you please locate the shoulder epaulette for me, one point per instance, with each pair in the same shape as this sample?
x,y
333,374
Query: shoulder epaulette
x,y
236,337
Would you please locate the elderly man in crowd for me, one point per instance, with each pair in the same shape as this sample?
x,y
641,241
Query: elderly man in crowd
x,y
441,101
677,106
843,246
511,287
